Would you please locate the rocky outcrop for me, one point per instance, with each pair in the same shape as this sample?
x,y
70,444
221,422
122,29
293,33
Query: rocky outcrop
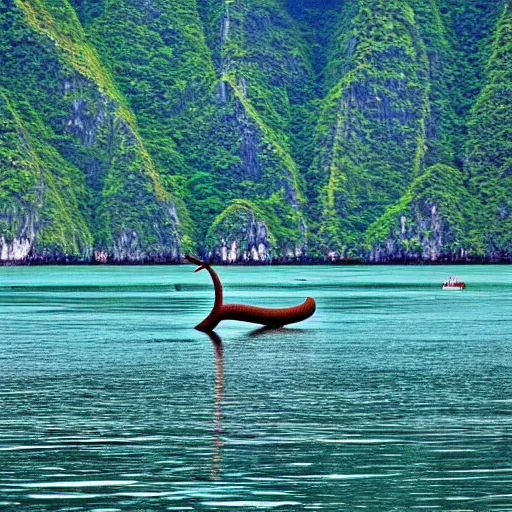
x,y
426,224
240,235
424,235
245,232
18,246
16,250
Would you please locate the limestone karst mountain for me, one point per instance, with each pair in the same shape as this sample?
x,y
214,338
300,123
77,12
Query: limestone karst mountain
x,y
135,130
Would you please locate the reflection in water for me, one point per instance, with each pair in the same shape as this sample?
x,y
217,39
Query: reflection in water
x,y
219,394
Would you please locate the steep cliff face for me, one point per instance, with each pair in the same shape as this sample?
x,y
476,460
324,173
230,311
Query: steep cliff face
x,y
489,152
246,231
261,63
252,130
40,216
426,223
399,107
53,67
134,217
372,132
243,235
206,85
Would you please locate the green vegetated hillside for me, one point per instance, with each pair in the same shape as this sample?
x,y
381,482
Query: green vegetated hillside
x,y
255,130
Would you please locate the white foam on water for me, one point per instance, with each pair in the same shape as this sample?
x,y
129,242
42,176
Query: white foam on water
x,y
270,493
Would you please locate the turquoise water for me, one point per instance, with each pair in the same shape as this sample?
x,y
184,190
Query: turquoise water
x,y
395,396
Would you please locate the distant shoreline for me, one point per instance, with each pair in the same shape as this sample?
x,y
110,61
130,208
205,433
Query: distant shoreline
x,y
310,263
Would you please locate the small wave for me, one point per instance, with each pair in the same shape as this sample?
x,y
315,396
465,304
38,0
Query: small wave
x,y
256,504
363,475
30,447
362,441
65,496
496,470
84,483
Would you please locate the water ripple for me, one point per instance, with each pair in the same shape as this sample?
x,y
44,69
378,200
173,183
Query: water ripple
x,y
394,396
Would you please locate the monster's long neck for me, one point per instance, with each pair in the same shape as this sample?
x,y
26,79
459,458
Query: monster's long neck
x,y
218,289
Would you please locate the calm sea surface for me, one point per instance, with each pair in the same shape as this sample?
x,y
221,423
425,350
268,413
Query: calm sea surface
x,y
396,396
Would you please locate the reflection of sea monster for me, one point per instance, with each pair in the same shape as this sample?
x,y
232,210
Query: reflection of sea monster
x,y
244,313
218,443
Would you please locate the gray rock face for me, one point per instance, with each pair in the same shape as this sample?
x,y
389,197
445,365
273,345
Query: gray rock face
x,y
127,247
241,237
86,119
423,235
94,120
249,143
17,248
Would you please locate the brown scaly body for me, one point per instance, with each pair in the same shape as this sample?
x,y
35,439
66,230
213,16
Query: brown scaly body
x,y
244,313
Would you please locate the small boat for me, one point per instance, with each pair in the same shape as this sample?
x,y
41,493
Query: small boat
x,y
454,283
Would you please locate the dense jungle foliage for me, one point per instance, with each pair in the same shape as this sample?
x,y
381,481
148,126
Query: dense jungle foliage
x,y
255,130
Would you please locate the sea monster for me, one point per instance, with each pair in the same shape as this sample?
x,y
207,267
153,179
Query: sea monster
x,y
268,317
